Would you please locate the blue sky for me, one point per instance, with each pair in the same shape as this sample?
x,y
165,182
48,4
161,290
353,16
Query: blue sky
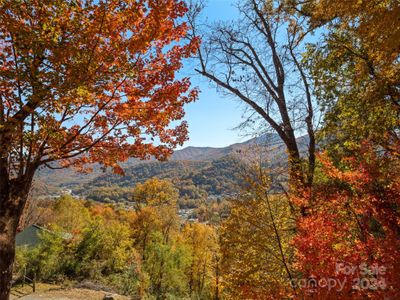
x,y
212,117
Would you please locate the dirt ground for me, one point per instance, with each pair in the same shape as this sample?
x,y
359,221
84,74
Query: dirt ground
x,y
54,292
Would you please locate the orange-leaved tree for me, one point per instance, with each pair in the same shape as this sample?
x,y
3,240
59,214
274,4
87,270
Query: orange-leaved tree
x,y
348,245
85,82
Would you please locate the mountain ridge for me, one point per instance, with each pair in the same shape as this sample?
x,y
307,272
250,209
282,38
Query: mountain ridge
x,y
207,153
188,165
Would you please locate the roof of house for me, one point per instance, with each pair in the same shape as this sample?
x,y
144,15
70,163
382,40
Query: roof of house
x,y
30,236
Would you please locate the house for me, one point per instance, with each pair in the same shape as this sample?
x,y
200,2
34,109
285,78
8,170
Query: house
x,y
30,236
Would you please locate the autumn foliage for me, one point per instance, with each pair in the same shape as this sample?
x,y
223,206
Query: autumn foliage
x,y
97,82
107,66
85,82
141,252
351,232
255,240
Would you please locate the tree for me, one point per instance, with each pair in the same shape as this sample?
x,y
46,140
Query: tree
x,y
353,215
155,228
84,82
256,60
356,70
377,29
71,214
98,246
256,241
165,264
203,245
156,202
353,223
156,193
104,248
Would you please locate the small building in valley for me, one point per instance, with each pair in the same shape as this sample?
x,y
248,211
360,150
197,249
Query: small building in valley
x,y
30,236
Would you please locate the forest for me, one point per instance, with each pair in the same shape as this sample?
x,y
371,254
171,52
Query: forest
x,y
146,252
92,112
195,180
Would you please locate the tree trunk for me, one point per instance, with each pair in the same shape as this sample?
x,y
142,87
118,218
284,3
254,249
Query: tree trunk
x,y
13,195
296,174
8,231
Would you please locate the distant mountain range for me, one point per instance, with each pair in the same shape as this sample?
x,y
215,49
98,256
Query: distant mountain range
x,y
197,171
210,153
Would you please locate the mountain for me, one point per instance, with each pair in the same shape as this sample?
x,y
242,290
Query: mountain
x,y
210,153
69,176
196,171
194,179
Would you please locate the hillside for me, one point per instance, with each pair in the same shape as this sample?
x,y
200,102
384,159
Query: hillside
x,y
198,172
194,179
